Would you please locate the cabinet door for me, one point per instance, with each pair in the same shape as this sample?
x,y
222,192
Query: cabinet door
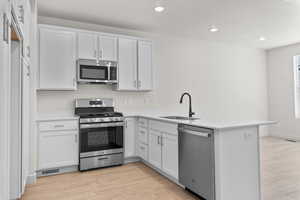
x,y
154,148
170,155
107,48
127,64
87,46
57,59
58,149
145,77
129,138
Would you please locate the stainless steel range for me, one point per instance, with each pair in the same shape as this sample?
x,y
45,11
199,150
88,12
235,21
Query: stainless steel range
x,y
101,133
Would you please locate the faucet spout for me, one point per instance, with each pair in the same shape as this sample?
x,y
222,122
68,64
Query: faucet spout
x,y
191,113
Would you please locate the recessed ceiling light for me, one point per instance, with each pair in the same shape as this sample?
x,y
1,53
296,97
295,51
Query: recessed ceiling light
x,y
262,38
159,7
213,29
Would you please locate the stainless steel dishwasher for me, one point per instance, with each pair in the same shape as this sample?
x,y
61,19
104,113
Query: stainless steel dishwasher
x,y
196,160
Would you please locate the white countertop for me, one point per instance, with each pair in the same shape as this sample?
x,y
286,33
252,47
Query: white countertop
x,y
53,117
203,123
224,124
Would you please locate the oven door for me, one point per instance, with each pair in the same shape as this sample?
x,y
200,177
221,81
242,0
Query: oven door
x,y
96,74
101,139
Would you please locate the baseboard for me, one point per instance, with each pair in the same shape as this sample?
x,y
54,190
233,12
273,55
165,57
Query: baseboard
x,y
31,179
58,170
131,160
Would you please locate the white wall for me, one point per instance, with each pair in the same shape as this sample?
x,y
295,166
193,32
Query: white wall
x,y
4,108
226,81
281,91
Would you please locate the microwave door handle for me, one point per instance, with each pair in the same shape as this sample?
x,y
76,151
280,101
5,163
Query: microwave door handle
x,y
108,75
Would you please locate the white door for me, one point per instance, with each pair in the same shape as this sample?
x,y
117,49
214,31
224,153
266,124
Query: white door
x,y
170,155
127,64
154,148
57,59
87,46
108,48
25,122
145,77
58,149
129,137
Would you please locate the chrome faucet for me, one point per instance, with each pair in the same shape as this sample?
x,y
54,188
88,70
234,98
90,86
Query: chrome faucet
x,y
191,113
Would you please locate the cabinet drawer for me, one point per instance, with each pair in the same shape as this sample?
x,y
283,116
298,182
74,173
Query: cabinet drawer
x,y
142,151
143,122
58,125
143,135
163,127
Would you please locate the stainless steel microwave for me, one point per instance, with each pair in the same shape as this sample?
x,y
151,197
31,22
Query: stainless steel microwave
x,y
95,71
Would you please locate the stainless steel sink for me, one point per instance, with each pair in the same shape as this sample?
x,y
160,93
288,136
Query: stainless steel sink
x,y
180,118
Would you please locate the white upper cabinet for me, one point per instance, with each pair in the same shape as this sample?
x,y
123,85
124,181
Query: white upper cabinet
x,y
94,46
145,79
108,48
135,65
87,46
127,64
57,69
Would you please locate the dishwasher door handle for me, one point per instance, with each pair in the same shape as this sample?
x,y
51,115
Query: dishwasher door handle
x,y
197,133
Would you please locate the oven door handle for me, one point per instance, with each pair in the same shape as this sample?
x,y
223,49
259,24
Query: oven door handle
x,y
101,125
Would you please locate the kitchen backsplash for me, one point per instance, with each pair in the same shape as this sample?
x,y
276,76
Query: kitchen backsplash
x,y
62,102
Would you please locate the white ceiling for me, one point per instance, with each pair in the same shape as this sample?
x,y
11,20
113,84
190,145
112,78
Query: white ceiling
x,y
239,21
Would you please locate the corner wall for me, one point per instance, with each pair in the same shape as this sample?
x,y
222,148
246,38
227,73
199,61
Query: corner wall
x,y
281,91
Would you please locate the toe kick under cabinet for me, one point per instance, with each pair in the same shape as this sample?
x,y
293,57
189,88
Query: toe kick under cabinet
x,y
57,144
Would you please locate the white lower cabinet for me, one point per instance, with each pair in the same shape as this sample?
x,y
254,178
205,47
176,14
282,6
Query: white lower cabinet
x,y
155,156
170,154
162,146
129,138
58,147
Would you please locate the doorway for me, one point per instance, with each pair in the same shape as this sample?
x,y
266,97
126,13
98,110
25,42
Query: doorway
x,y
19,115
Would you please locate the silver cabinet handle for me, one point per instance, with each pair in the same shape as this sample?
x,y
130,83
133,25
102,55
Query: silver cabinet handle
x,y
135,84
59,126
74,82
158,139
139,84
142,148
76,138
95,53
161,141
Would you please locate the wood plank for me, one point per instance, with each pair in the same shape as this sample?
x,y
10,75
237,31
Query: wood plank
x,y
134,181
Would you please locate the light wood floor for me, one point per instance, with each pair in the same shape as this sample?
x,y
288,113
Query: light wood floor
x,y
280,169
280,180
129,182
